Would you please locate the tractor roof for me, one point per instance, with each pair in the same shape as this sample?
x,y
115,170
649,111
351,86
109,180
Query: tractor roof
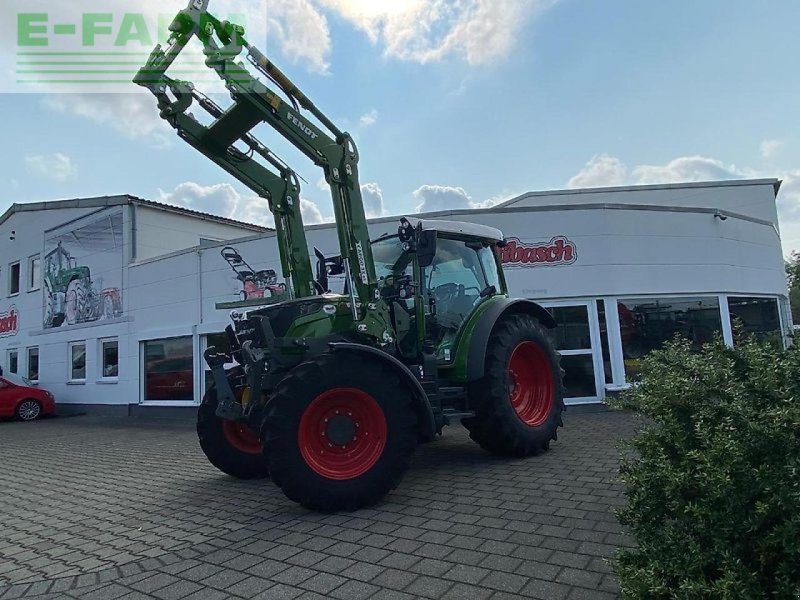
x,y
460,228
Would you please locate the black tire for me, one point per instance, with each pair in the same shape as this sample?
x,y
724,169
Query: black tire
x,y
498,426
218,448
28,410
368,393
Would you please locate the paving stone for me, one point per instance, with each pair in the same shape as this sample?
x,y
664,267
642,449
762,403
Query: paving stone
x,y
280,592
250,586
362,571
395,579
355,590
504,582
429,587
152,583
323,583
545,590
466,574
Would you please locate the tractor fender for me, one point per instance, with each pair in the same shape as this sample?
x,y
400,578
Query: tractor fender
x,y
424,410
476,359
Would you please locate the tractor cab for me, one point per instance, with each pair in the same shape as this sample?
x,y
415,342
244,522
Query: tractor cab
x,y
457,270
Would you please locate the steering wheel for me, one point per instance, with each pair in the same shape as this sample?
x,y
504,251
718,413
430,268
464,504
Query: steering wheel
x,y
446,291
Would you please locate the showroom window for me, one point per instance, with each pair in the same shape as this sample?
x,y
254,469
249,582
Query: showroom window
x,y
13,361
33,364
757,316
34,273
169,370
646,324
13,279
603,322
572,338
109,359
77,361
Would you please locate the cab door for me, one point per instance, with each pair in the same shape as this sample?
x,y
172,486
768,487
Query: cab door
x,y
463,274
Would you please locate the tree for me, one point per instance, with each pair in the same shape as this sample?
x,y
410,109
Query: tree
x,y
793,274
713,479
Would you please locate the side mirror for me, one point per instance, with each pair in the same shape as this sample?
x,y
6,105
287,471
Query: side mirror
x,y
426,248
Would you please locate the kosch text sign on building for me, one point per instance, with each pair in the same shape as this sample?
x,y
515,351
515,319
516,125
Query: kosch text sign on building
x,y
519,254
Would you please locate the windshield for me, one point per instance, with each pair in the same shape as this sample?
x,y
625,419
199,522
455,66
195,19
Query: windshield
x,y
16,379
389,258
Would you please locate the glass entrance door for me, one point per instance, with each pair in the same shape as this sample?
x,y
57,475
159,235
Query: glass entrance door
x,y
577,338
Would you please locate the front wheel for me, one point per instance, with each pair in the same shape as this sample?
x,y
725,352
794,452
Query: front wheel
x,y
29,410
518,403
232,447
340,432
76,302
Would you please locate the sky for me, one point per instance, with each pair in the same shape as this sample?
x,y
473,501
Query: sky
x,y
456,104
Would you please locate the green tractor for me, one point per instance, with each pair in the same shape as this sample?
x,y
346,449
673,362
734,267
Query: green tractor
x,y
334,391
67,287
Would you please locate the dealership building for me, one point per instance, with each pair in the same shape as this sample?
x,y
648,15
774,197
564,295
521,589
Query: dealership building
x,y
110,302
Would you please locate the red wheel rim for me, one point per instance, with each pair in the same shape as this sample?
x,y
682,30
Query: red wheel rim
x,y
530,383
342,434
241,437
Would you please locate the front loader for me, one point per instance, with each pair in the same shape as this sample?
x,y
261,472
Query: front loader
x,y
333,392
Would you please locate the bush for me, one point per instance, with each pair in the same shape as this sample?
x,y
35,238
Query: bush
x,y
713,480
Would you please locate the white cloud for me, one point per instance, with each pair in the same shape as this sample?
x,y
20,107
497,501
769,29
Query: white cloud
x,y
221,199
434,198
224,200
133,115
686,168
57,167
789,196
372,196
601,171
479,31
770,148
369,119
252,209
302,32
311,213
608,171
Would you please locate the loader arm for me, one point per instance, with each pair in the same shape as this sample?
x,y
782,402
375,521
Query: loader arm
x,y
253,104
281,191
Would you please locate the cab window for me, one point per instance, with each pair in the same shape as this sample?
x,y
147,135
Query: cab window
x,y
461,276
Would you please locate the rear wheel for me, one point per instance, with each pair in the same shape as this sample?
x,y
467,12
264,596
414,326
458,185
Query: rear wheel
x,y
230,446
340,432
518,404
29,410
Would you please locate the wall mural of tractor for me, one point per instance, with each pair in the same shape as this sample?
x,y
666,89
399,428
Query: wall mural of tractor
x,y
71,296
82,271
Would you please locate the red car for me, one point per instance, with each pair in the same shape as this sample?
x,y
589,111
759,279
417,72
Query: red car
x,y
21,400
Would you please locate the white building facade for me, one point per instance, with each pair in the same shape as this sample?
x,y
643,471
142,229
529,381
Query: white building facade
x,y
621,269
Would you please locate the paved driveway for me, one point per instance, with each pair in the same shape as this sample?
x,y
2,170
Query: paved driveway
x,y
125,509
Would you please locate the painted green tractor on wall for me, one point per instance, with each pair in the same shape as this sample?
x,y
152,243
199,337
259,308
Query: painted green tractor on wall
x,y
70,296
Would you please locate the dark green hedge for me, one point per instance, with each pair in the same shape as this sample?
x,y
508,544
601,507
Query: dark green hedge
x,y
713,481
